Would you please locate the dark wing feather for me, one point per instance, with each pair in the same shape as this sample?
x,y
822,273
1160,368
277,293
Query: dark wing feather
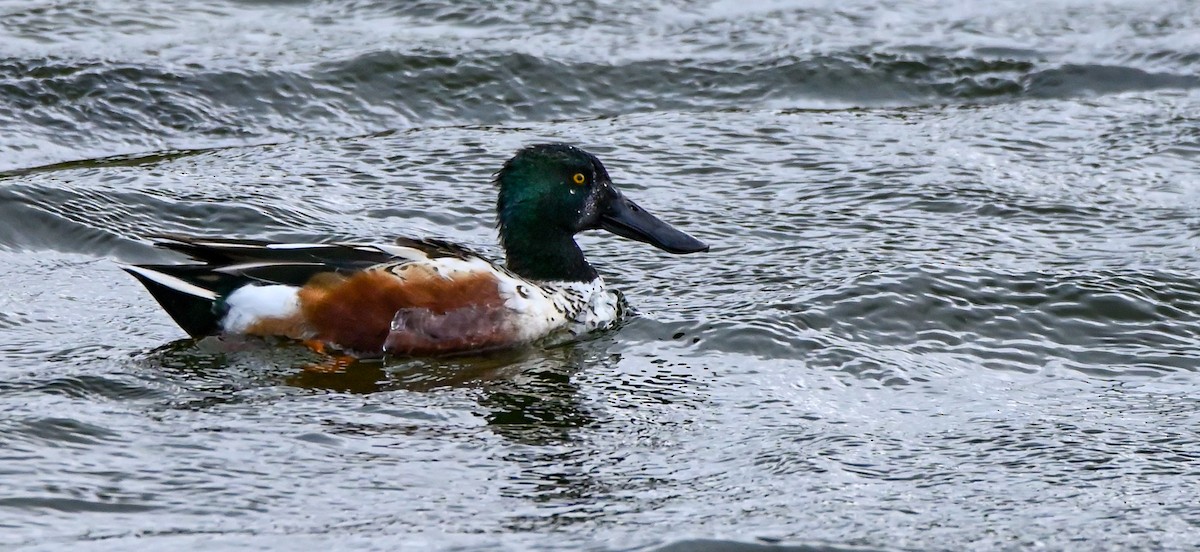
x,y
435,248
222,252
289,274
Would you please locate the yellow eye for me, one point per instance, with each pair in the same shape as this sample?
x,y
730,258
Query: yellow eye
x,y
579,178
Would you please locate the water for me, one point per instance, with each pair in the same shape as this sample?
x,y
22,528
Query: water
x,y
951,301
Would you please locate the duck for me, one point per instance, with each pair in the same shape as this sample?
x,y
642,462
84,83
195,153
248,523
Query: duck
x,y
423,297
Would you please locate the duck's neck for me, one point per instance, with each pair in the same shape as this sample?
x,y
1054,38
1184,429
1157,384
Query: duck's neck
x,y
540,253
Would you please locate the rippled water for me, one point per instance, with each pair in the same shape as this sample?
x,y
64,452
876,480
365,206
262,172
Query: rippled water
x,y
952,300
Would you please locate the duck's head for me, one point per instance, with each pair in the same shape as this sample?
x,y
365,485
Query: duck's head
x,y
549,193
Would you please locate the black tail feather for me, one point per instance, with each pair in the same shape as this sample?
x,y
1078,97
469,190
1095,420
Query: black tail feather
x,y
199,314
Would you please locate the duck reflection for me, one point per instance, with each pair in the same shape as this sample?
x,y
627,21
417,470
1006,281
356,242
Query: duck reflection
x,y
527,394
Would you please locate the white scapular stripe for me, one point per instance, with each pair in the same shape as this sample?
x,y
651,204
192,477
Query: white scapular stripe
x,y
279,246
399,251
234,269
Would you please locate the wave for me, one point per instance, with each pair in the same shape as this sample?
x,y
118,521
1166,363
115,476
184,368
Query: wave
x,y
1102,323
97,108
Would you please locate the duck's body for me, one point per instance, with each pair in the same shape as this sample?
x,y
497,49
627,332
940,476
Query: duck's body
x,y
422,297
411,298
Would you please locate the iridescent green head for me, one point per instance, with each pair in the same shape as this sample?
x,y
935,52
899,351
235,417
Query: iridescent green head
x,y
549,193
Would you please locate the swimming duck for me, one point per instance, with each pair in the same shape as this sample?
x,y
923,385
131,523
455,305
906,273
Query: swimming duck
x,y
423,297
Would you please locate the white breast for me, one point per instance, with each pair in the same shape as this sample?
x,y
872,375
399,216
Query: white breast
x,y
548,307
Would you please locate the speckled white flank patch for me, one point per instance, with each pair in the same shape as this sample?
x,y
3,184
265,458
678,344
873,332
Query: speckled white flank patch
x,y
544,308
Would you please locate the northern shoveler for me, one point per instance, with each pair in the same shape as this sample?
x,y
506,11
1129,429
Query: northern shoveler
x,y
423,297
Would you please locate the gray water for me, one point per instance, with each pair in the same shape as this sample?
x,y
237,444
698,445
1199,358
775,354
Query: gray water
x,y
952,300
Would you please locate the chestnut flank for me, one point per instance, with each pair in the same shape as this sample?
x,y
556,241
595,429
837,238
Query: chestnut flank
x,y
439,314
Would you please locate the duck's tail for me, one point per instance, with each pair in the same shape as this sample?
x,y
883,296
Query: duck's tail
x,y
191,294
